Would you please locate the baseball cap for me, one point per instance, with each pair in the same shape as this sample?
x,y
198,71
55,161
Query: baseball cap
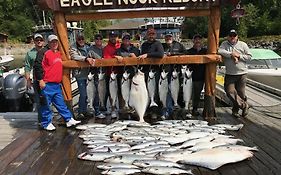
x,y
126,36
38,35
52,37
151,31
113,33
197,36
98,36
169,34
232,32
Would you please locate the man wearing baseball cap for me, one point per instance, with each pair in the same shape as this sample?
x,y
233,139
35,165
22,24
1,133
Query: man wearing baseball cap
x,y
49,76
109,52
96,52
79,52
198,74
235,54
28,68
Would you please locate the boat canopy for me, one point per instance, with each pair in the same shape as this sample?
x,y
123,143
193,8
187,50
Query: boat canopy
x,y
263,54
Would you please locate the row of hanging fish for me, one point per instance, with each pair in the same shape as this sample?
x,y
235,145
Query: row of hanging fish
x,y
139,95
129,147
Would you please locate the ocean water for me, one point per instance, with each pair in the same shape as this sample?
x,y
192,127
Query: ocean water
x,y
17,63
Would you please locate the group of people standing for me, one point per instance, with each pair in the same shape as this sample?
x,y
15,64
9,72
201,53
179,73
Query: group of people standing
x,y
151,48
47,66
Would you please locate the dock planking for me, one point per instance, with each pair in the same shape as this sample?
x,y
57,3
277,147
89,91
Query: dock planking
x,y
41,152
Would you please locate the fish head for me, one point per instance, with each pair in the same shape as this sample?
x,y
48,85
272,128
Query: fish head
x,y
90,77
140,72
138,78
164,75
113,76
183,69
175,74
101,75
125,75
188,73
151,74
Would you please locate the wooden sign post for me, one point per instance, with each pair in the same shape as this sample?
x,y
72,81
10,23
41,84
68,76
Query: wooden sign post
x,y
76,10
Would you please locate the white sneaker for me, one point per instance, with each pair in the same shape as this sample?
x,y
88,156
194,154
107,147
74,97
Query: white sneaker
x,y
113,115
72,122
50,127
100,116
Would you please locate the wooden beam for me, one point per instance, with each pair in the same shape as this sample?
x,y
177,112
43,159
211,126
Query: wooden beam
x,y
136,14
183,59
209,112
60,25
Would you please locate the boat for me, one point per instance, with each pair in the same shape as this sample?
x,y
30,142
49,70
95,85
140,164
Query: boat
x,y
265,67
264,71
6,59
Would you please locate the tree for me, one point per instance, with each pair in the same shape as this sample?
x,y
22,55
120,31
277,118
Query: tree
x,y
16,18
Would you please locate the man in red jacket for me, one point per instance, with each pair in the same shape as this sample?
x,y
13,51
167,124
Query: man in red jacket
x,y
109,52
50,85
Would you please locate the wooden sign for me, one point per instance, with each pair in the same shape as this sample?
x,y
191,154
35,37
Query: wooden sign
x,y
93,5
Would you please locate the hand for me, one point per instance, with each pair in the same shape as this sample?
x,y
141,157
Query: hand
x,y
132,55
141,57
119,58
91,61
29,83
235,54
42,84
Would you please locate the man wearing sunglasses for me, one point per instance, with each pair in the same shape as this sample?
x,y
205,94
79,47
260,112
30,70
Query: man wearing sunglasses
x,y
79,52
235,54
28,68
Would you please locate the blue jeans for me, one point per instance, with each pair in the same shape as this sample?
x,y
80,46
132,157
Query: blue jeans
x,y
82,87
169,103
52,94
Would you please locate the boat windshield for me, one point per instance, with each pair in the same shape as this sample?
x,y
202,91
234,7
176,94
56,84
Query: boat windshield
x,y
264,63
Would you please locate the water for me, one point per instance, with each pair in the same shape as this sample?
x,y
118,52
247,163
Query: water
x,y
17,63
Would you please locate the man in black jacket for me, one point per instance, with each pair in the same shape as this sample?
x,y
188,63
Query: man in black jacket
x,y
198,74
152,48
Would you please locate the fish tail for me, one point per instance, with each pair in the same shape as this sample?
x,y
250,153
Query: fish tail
x,y
153,104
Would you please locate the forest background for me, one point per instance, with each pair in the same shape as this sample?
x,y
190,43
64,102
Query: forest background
x,y
263,17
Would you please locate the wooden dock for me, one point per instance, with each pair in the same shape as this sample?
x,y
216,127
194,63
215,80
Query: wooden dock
x,y
34,151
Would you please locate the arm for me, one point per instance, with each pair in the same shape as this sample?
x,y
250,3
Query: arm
x,y
38,69
223,50
27,69
246,55
75,55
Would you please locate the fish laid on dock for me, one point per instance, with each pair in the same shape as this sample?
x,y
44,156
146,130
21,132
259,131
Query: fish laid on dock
x,y
165,147
216,157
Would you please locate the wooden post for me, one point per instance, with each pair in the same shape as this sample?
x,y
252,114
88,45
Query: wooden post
x,y
209,112
61,28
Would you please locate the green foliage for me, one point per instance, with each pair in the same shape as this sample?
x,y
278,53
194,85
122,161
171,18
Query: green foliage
x,y
195,25
16,18
92,27
262,18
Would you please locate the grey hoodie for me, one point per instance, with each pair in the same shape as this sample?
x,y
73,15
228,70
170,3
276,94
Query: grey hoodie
x,y
80,54
232,68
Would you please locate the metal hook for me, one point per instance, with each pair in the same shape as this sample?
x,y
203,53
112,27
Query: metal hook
x,y
237,21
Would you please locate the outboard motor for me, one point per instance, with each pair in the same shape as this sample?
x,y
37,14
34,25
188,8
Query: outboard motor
x,y
15,92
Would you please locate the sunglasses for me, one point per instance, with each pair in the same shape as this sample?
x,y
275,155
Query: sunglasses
x,y
98,39
37,40
80,39
232,35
